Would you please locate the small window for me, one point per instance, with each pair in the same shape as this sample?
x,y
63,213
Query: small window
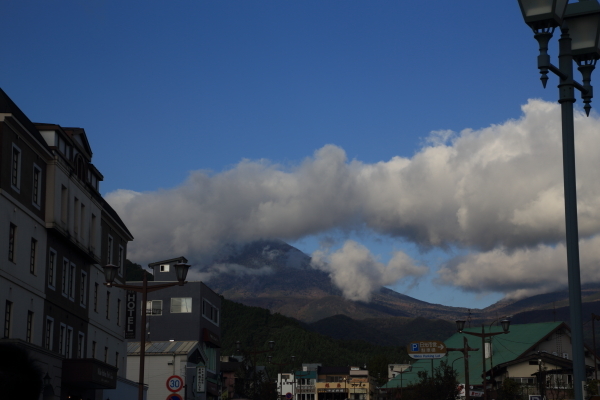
x,y
93,349
33,256
65,277
49,333
76,212
210,312
120,259
12,237
61,339
72,269
106,355
81,345
29,332
52,269
154,307
64,204
7,318
181,305
15,179
109,252
107,305
36,195
164,268
69,343
82,289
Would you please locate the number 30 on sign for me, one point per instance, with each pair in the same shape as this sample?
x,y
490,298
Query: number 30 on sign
x,y
174,383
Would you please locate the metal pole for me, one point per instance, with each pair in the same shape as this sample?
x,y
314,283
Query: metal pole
x,y
143,338
483,358
466,354
594,343
566,100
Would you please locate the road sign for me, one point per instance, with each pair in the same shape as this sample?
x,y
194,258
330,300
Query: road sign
x,y
174,383
288,395
426,349
174,396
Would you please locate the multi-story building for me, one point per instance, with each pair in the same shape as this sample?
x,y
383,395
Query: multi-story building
x,y
340,383
58,232
189,313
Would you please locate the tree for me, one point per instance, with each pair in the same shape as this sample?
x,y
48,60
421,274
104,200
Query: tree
x,y
442,386
509,390
135,272
378,367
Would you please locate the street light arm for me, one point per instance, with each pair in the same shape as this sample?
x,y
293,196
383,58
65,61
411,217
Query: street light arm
x,y
140,289
484,335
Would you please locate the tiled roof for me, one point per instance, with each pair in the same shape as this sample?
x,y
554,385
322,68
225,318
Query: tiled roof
x,y
521,339
158,348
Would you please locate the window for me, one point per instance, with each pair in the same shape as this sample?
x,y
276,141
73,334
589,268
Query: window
x,y
120,260
48,334
210,312
12,237
65,277
109,253
211,354
33,256
52,269
15,179
72,269
93,349
164,268
82,289
107,305
119,312
93,233
36,197
64,204
96,297
117,359
106,355
82,220
61,339
69,343
181,305
76,212
81,346
7,318
154,307
29,332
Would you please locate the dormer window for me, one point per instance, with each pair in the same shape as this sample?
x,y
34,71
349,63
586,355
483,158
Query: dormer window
x,y
164,268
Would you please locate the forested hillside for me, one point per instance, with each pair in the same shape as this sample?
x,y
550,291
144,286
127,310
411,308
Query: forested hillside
x,y
254,327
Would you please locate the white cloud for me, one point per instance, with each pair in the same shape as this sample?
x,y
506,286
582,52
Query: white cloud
x,y
496,190
358,273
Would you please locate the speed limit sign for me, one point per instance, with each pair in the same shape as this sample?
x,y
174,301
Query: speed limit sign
x,y
174,383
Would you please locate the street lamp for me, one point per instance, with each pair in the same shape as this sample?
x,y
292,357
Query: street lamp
x,y
580,25
254,353
110,273
401,372
460,325
465,350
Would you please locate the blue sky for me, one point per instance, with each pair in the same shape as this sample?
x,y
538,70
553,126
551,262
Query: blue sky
x,y
246,89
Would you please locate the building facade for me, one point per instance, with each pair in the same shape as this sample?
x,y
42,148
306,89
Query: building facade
x,y
52,217
191,312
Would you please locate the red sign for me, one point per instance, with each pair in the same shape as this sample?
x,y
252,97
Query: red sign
x,y
174,383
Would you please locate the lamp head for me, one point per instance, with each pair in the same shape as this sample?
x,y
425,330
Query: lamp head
x,y
460,325
181,271
583,21
271,344
505,325
540,14
110,273
238,346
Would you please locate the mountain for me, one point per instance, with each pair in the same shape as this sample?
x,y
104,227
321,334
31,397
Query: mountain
x,y
279,277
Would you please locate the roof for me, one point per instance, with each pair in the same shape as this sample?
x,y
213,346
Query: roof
x,y
181,259
162,348
518,342
305,374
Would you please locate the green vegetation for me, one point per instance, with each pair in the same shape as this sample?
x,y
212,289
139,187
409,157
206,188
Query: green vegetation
x,y
254,327
443,386
135,272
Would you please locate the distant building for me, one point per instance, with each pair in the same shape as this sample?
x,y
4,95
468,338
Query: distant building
x,y
518,355
189,313
339,383
58,231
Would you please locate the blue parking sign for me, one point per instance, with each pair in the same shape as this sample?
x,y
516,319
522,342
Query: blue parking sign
x,y
415,346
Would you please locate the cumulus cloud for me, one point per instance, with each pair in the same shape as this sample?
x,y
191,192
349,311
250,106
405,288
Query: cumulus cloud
x,y
497,190
358,273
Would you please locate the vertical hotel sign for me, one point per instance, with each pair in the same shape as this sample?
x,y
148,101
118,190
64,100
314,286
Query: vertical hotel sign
x,y
130,314
201,379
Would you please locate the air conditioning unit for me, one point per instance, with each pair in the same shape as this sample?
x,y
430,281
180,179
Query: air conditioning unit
x,y
566,355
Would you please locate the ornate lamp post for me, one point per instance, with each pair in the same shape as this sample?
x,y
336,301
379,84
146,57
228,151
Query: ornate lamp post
x,y
110,273
254,353
460,325
579,24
